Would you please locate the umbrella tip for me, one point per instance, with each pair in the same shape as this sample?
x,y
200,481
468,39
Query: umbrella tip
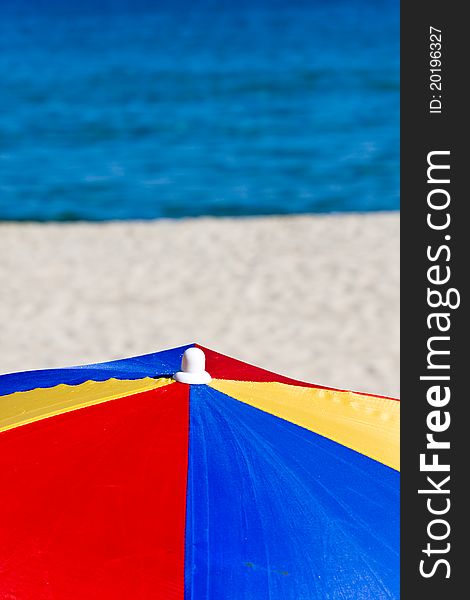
x,y
193,367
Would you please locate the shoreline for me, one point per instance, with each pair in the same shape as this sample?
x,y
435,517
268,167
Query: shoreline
x,y
314,297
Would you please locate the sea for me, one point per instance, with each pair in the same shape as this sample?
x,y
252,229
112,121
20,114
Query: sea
x,y
142,110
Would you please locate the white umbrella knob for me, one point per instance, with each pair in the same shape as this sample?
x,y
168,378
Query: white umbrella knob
x,y
193,368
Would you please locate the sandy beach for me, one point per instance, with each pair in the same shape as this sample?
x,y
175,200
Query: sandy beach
x,y
313,297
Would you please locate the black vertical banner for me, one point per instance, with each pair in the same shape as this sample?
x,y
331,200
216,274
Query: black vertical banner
x,y
434,252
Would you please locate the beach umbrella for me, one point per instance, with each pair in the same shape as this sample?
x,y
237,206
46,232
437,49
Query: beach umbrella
x,y
188,474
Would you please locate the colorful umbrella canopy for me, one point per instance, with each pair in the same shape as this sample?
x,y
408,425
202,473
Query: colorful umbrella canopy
x,y
119,482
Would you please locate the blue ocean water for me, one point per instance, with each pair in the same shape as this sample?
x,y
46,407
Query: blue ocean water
x,y
122,110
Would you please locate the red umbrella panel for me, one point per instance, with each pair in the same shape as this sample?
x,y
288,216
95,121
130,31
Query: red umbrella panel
x,y
159,477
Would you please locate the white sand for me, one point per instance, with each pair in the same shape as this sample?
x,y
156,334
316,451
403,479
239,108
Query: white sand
x,y
313,297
